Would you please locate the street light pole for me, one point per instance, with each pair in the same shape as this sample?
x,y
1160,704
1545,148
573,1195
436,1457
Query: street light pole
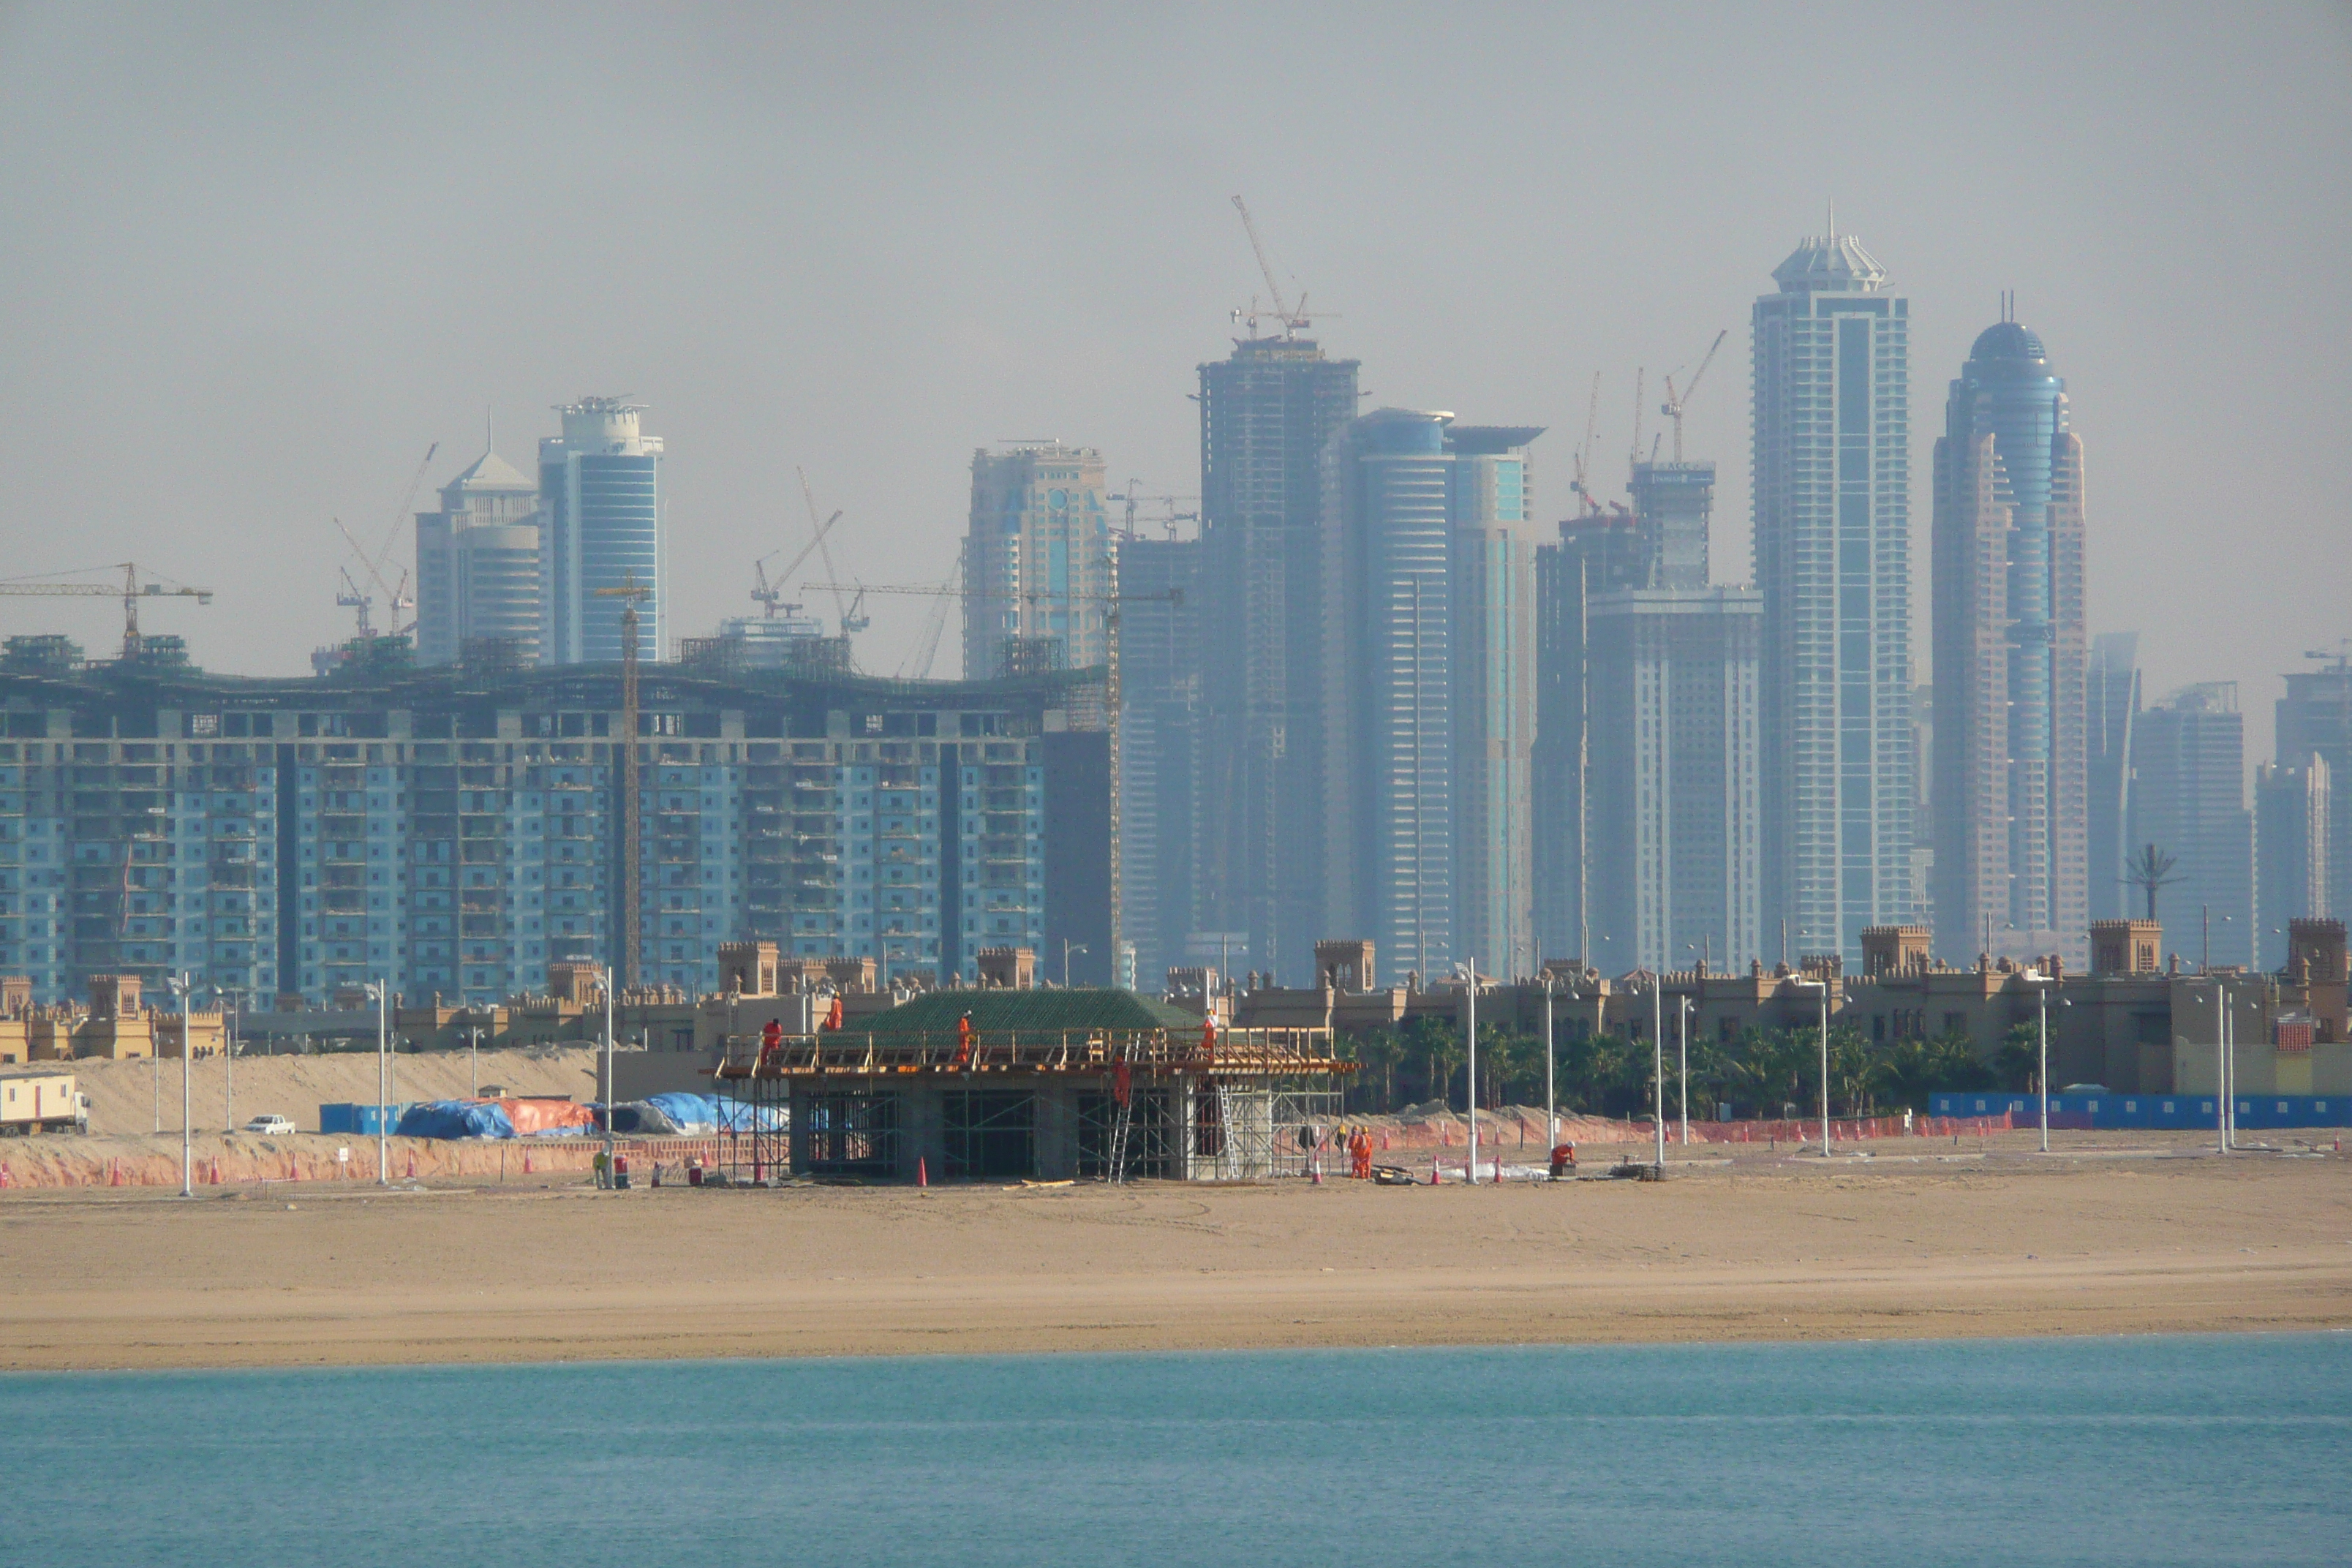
x,y
1551,1099
1658,1074
1682,1051
382,989
2042,996
228,1058
187,1087
1825,1069
1070,947
1470,985
474,1061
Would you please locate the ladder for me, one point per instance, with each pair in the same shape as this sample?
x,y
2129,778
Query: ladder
x,y
1122,1121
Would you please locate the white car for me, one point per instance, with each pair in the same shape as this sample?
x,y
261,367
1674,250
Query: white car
x,y
271,1126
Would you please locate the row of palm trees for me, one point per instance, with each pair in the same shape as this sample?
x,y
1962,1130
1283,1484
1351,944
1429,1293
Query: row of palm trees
x,y
1766,1073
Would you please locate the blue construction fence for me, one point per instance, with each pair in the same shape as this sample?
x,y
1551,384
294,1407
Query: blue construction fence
x,y
361,1119
2083,1112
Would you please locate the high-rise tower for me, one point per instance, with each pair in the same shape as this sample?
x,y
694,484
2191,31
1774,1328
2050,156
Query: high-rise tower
x,y
2315,719
2011,840
1429,664
2113,700
1036,559
600,487
478,565
1266,413
1833,518
2188,799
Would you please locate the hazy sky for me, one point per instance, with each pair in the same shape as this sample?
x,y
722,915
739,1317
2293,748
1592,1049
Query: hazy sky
x,y
256,259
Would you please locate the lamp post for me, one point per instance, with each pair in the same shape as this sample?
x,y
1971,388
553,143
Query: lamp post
x,y
180,989
1070,947
608,1076
1682,1051
380,992
1552,1099
1469,974
1658,1072
2041,1030
1823,985
474,1061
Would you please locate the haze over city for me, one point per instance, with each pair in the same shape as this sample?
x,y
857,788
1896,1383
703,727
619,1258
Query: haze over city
x,y
261,258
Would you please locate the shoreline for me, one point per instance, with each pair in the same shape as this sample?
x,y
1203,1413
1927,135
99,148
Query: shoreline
x,y
1746,1250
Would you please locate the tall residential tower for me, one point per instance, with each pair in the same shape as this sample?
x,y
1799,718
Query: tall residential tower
x,y
1833,520
2011,824
478,565
600,488
1266,412
1037,559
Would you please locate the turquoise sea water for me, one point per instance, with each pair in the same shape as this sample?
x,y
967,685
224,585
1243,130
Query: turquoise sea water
x,y
2195,1450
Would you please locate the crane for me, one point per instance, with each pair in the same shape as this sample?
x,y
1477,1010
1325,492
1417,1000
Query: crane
x,y
631,593
1636,457
1294,321
935,626
1584,453
130,593
1169,518
1672,407
846,612
772,595
355,597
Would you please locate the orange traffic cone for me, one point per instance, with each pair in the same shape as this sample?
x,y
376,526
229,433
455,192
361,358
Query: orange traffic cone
x,y
1434,1178
526,1161
114,1172
922,1171
412,1165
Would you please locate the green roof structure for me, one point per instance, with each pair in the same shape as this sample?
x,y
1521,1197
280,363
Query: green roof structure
x,y
1072,1011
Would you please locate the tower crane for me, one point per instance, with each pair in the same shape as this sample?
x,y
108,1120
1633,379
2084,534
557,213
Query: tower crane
x,y
130,593
1672,407
847,614
1584,453
1294,321
772,595
1636,457
1169,518
631,593
935,626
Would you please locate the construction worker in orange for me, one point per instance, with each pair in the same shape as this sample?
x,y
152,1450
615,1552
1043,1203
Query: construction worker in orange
x,y
771,1040
963,1041
833,1015
1359,1150
1563,1160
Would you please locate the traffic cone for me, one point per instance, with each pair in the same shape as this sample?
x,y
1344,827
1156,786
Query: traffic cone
x,y
114,1172
1434,1179
526,1161
412,1165
216,1176
922,1171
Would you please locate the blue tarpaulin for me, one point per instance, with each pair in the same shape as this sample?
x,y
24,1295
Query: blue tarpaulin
x,y
456,1118
698,1115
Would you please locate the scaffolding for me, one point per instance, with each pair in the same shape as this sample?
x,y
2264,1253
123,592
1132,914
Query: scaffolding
x,y
1103,1104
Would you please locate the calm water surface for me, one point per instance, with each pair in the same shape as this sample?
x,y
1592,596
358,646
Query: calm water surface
x,y
2205,1450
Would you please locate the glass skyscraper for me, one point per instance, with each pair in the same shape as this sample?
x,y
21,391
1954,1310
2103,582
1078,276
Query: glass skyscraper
x,y
600,489
1833,518
1266,413
2011,704
1036,559
1429,669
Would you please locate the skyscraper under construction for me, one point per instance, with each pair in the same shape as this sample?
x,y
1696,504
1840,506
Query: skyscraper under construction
x,y
1266,412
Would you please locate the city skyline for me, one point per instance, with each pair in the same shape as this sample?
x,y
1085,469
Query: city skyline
x,y
1061,323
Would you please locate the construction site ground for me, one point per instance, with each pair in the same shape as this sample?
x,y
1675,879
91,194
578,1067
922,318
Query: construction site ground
x,y
2115,1233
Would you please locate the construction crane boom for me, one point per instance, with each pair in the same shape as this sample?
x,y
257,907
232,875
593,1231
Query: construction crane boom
x,y
1672,407
840,609
631,593
1584,453
130,593
772,594
1293,318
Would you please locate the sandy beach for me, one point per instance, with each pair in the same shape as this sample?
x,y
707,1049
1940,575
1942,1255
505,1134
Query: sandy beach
x,y
2122,1239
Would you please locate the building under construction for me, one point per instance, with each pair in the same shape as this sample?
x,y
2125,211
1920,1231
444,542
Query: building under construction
x,y
1029,1084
